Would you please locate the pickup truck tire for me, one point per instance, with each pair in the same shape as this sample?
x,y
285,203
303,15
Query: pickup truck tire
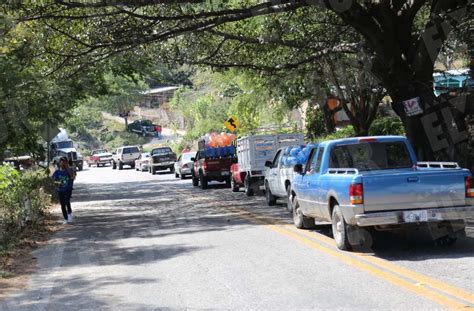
x,y
181,176
114,165
228,182
195,181
176,175
248,186
269,197
446,240
349,237
301,221
120,166
152,171
289,204
202,181
233,185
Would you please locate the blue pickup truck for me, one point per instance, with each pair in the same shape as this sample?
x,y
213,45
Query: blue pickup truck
x,y
375,183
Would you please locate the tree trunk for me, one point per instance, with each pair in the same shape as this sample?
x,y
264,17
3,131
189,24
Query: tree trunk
x,y
126,123
440,132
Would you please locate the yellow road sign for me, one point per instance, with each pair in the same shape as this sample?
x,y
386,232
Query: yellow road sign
x,y
232,124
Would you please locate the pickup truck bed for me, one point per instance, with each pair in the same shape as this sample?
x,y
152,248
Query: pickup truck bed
x,y
377,183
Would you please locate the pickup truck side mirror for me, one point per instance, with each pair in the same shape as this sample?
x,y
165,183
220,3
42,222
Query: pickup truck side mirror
x,y
298,168
269,164
193,159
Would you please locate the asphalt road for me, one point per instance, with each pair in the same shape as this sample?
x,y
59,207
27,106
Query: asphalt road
x,y
143,242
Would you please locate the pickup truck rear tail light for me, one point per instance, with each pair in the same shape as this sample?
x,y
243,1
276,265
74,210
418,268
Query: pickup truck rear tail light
x,y
356,193
469,181
204,165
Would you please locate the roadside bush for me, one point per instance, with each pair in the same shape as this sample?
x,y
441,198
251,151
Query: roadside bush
x,y
342,133
387,126
23,199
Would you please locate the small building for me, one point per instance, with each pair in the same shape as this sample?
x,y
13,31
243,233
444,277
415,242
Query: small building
x,y
156,97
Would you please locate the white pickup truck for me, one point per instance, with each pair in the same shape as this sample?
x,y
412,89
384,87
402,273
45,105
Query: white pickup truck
x,y
125,156
278,178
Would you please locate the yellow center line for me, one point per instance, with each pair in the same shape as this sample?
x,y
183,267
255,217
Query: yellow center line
x,y
370,264
415,276
395,280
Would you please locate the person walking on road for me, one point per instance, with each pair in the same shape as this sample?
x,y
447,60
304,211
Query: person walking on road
x,y
63,179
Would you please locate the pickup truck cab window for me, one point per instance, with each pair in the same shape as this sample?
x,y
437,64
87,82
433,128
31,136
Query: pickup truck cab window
x,y
371,156
276,160
316,164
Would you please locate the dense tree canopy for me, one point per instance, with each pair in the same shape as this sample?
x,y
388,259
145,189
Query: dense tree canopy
x,y
401,38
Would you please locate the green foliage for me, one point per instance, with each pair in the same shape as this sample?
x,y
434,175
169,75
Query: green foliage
x,y
123,92
85,116
15,189
346,132
387,126
315,126
215,96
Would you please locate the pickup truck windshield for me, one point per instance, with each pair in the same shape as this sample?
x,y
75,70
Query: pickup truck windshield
x,y
131,150
64,144
187,157
147,123
371,156
161,151
99,151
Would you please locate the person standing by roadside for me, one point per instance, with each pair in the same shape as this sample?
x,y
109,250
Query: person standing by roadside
x,y
63,180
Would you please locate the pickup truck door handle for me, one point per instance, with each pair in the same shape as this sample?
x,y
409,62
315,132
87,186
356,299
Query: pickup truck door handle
x,y
413,179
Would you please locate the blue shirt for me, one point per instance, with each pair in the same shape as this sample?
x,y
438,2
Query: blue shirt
x,y
65,181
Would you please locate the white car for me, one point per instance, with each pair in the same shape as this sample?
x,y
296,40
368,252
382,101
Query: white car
x,y
125,156
143,163
184,165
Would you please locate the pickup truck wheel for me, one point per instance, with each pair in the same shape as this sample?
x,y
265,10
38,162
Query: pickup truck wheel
x,y
248,186
340,229
300,220
228,182
172,170
289,204
120,166
446,240
181,176
195,181
79,167
233,185
269,197
176,175
114,165
153,171
202,181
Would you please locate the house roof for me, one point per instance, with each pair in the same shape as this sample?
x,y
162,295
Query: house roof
x,y
160,90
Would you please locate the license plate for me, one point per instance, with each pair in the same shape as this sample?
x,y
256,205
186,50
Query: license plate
x,y
415,216
225,173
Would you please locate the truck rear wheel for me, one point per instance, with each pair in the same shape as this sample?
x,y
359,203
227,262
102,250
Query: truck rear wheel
x,y
203,181
120,166
349,237
114,165
248,185
195,181
269,197
233,185
300,220
289,204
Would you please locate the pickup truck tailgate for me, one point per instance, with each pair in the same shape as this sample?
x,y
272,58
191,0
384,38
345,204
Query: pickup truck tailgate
x,y
413,190
219,164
